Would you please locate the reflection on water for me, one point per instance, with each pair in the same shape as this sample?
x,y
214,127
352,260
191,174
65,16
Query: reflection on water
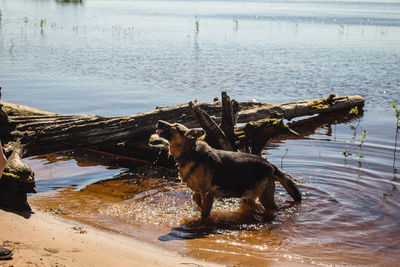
x,y
349,213
130,56
73,168
127,56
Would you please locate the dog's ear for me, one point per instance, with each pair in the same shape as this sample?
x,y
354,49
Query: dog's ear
x,y
195,134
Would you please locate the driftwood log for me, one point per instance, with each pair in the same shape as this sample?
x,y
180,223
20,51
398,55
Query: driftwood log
x,y
26,132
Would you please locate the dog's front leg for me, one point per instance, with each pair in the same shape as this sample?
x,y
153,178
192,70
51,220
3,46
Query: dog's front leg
x,y
208,200
197,199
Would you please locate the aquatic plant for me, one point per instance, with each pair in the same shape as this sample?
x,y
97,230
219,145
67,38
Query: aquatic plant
x,y
12,46
287,150
395,179
397,110
363,138
335,123
350,152
42,23
196,25
236,22
341,28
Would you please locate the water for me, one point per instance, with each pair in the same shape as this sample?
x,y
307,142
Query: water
x,y
130,56
122,57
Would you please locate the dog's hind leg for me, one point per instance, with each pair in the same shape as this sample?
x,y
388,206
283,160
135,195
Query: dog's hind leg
x,y
267,197
208,200
197,199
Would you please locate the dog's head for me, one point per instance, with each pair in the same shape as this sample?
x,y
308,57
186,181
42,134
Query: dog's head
x,y
179,136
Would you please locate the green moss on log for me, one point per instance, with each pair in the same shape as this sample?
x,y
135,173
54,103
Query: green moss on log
x,y
325,102
22,174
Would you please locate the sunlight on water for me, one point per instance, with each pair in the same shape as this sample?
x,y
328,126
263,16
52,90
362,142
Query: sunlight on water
x,y
131,56
127,56
348,214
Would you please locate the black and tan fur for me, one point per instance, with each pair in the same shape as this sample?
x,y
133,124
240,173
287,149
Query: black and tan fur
x,y
211,173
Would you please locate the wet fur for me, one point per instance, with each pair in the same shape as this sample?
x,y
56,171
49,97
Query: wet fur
x,y
212,173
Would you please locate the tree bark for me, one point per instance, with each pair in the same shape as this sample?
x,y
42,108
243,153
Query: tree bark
x,y
27,132
17,180
215,137
229,116
292,110
49,133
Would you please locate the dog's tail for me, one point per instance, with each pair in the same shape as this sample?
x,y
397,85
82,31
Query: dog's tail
x,y
287,182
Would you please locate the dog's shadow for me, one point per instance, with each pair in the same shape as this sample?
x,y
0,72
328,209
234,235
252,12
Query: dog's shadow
x,y
246,218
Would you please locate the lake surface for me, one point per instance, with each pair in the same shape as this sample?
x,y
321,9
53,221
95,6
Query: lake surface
x,y
123,57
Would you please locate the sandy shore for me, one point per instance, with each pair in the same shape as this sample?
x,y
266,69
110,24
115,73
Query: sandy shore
x,y
45,240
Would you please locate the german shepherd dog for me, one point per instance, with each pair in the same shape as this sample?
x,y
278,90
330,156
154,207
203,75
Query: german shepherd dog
x,y
212,173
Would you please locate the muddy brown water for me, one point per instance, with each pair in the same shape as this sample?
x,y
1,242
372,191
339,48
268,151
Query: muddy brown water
x,y
349,215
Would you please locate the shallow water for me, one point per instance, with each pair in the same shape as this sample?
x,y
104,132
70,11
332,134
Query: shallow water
x,y
122,57
349,213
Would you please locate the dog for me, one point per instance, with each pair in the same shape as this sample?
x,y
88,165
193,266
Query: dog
x,y
212,173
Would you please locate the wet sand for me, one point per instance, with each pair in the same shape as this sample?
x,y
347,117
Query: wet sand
x,y
40,239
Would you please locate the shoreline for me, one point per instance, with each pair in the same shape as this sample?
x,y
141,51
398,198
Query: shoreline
x,y
44,239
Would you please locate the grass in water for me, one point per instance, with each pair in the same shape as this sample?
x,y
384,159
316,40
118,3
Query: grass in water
x,y
363,138
196,25
397,110
42,23
236,23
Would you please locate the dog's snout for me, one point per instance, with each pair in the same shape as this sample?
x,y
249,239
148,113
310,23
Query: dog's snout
x,y
164,129
161,124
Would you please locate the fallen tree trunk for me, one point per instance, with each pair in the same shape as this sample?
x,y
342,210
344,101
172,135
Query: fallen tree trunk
x,y
266,121
45,134
291,110
49,133
28,132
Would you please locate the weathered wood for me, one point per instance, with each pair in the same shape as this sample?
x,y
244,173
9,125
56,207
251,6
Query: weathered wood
x,y
17,180
229,115
45,134
254,135
292,110
215,137
250,138
20,110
